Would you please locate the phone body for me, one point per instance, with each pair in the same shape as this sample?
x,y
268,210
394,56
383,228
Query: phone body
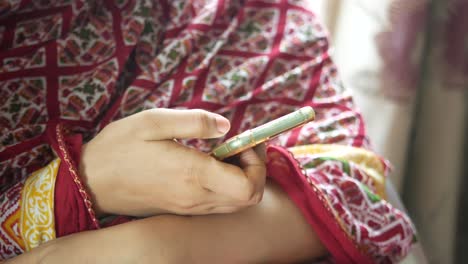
x,y
260,134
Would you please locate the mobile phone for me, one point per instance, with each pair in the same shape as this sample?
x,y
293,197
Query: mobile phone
x,y
260,134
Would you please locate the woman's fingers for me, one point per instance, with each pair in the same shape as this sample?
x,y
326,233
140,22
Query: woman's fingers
x,y
254,168
176,178
160,124
226,179
261,151
242,184
208,209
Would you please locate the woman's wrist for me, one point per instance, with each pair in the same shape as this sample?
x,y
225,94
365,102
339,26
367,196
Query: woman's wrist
x,y
99,176
90,179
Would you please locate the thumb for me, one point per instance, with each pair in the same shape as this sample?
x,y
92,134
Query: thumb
x,y
161,123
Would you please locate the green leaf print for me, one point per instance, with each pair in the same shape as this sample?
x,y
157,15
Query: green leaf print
x,y
85,34
292,77
346,167
309,33
372,196
145,11
327,128
312,164
318,161
250,28
14,108
173,54
88,88
236,77
37,83
148,28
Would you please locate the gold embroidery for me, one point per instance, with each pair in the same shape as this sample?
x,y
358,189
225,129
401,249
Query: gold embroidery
x,y
76,179
37,206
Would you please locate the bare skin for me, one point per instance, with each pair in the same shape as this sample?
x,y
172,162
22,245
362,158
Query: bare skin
x,y
229,222
273,231
134,167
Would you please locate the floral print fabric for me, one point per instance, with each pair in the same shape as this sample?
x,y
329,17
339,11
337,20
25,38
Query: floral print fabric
x,y
83,64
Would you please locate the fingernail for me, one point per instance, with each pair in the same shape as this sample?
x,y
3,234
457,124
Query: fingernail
x,y
222,124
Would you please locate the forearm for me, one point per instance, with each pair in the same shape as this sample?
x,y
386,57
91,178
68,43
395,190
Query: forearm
x,y
119,244
272,231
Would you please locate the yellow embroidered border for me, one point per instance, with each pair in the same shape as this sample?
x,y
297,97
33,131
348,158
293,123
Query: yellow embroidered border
x,y
37,206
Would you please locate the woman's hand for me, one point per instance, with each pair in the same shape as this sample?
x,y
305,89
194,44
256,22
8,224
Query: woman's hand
x,y
134,167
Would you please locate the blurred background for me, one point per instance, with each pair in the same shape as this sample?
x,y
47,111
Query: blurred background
x,y
406,61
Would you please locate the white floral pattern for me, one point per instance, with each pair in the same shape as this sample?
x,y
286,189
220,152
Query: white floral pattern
x,y
37,208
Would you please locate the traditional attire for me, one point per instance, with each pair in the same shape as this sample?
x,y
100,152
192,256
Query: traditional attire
x,y
69,67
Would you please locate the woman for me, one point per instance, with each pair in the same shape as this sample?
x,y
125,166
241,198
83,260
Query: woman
x,y
86,143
